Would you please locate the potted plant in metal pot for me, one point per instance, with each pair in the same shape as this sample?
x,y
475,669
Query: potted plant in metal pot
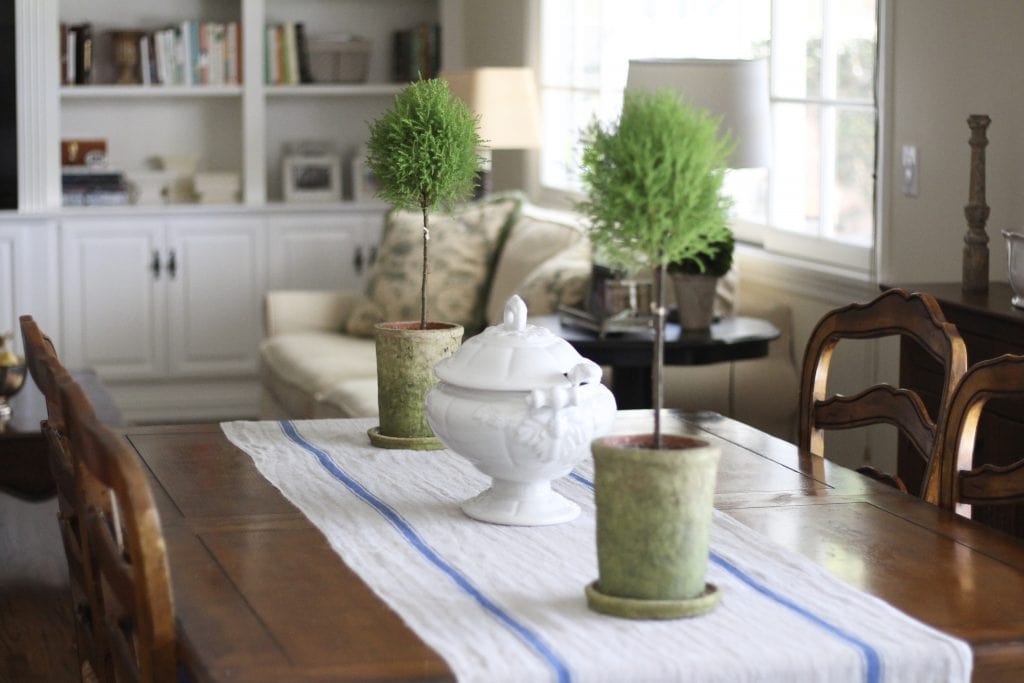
x,y
423,152
653,183
695,279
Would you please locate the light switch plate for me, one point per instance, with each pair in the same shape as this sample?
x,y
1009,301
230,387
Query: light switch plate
x,y
909,168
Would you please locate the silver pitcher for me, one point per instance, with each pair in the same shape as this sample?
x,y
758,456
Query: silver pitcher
x,y
1015,258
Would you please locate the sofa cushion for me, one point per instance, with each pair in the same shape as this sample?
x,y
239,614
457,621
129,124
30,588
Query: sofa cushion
x,y
537,236
463,248
351,398
562,279
313,361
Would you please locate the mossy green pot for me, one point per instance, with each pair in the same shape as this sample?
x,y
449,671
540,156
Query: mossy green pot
x,y
654,509
406,356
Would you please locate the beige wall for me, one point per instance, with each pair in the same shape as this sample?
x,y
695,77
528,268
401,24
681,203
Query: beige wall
x,y
952,58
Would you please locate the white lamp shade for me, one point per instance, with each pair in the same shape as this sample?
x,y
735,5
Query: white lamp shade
x,y
505,99
734,89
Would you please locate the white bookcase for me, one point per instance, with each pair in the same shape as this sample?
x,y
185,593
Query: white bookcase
x,y
242,128
180,353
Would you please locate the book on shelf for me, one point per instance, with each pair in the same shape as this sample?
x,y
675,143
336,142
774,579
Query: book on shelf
x,y
302,47
77,52
416,53
286,54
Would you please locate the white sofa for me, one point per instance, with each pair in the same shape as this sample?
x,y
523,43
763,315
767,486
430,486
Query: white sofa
x,y
310,369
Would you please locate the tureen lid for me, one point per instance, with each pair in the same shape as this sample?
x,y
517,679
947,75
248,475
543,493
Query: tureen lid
x,y
516,356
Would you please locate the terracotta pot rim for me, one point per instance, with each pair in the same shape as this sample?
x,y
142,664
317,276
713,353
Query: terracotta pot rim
x,y
644,442
414,326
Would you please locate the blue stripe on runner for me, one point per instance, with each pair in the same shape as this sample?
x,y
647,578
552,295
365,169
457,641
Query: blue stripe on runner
x,y
874,664
417,542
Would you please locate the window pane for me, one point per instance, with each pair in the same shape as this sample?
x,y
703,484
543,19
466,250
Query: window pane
x,y
796,48
796,163
566,114
748,189
856,37
854,176
571,43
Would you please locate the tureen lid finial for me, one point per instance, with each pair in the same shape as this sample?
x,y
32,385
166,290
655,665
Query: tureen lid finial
x,y
515,314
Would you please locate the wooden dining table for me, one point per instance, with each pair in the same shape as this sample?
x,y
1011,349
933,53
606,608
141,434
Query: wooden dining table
x,y
259,594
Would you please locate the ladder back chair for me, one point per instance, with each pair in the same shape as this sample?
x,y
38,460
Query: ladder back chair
x,y
124,548
962,483
48,372
893,313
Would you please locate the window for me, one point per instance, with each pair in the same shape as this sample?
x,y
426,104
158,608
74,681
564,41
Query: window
x,y
823,100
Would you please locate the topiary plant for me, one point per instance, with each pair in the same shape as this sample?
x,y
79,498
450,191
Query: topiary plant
x,y
653,182
423,152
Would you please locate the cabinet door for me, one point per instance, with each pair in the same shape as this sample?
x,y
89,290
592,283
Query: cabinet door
x,y
323,251
216,278
114,307
28,275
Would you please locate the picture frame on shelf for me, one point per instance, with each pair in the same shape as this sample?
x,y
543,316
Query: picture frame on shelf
x,y
311,178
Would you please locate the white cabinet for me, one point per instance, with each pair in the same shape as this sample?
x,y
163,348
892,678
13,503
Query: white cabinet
x,y
27,274
153,297
328,250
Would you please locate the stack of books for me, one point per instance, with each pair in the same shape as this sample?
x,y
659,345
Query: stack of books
x,y
83,186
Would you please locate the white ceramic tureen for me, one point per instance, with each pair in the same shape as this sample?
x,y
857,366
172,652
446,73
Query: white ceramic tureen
x,y
523,406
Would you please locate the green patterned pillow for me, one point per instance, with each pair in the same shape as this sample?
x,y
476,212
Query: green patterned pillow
x,y
463,248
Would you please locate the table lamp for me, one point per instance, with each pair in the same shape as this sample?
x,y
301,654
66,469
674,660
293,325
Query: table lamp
x,y
734,89
505,99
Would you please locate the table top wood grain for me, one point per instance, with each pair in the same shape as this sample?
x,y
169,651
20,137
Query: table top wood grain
x,y
260,595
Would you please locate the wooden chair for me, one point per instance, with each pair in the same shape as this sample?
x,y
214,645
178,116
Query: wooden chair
x,y
962,484
48,372
123,548
895,312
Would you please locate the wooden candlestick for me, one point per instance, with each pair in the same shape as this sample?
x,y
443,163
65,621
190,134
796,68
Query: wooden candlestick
x,y
975,266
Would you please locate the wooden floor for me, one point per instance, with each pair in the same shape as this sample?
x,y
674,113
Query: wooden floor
x,y
37,640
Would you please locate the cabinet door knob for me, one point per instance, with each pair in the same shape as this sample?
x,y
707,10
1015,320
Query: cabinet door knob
x,y
172,264
154,265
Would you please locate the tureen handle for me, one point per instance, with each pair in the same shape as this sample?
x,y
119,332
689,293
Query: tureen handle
x,y
515,314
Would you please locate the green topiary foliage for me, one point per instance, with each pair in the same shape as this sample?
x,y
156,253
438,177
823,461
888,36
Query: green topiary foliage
x,y
654,182
716,265
423,152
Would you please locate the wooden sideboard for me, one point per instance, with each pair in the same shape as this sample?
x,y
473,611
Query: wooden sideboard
x,y
990,326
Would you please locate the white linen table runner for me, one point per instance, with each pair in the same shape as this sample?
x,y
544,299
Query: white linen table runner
x,y
503,603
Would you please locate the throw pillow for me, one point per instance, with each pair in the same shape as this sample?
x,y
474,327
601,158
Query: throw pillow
x,y
463,247
538,235
562,279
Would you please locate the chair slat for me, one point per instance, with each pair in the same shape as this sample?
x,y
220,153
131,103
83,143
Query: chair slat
x,y
993,485
880,404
